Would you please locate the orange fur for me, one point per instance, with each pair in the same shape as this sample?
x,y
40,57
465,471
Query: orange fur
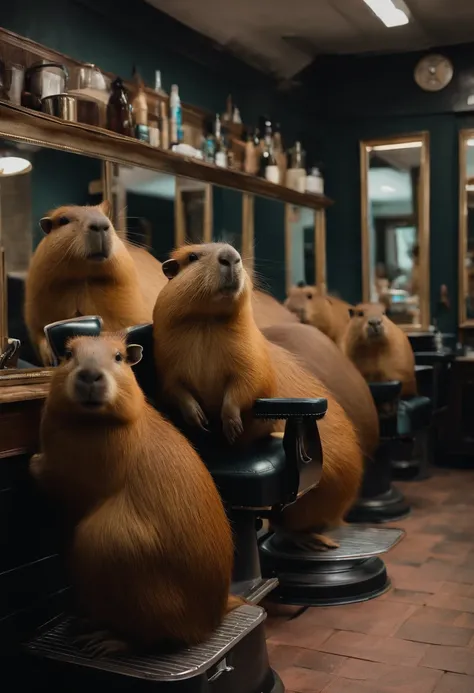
x,y
267,311
152,552
327,504
389,356
328,313
212,359
62,282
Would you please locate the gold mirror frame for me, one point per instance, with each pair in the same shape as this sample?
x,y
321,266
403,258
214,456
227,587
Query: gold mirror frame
x,y
319,249
464,321
365,147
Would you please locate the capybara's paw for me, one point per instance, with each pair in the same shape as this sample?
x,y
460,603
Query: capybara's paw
x,y
100,644
311,541
194,415
35,465
232,427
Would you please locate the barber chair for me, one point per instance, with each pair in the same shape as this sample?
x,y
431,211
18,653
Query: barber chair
x,y
253,486
411,452
379,501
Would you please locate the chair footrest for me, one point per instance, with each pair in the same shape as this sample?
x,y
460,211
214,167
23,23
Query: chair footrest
x,y
55,643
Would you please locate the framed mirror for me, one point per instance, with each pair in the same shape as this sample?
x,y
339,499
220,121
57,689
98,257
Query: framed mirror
x,y
466,228
33,180
395,197
305,247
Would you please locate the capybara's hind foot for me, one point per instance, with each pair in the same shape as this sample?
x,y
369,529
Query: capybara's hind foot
x,y
233,602
101,643
311,541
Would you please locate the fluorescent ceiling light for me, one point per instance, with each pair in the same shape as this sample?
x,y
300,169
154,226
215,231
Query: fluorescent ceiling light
x,y
387,188
470,143
386,11
399,145
469,188
12,165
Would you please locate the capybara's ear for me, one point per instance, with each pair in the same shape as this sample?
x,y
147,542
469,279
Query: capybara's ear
x,y
46,224
170,268
105,207
301,284
134,354
351,312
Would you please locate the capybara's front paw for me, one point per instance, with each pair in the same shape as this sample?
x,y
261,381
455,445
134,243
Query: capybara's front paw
x,y
232,427
194,415
35,465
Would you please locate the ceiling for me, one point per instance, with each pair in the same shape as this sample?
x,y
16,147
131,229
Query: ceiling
x,y
283,37
387,185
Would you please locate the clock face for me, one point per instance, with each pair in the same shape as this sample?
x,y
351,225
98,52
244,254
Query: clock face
x,y
434,72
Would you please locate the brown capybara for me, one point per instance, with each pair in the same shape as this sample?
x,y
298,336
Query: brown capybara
x,y
212,359
206,340
328,313
82,267
152,552
267,311
379,348
325,360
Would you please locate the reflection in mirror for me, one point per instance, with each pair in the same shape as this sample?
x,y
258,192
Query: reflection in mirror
x,y
395,228
193,221
33,180
143,203
227,215
466,233
300,234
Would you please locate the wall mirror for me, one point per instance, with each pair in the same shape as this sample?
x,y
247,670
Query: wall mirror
x,y
33,180
395,227
305,247
466,228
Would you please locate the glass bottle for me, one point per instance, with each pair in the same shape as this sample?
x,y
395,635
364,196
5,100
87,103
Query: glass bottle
x,y
119,112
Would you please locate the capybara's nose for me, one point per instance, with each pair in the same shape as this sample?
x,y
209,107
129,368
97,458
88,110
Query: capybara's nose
x,y
90,376
99,225
374,322
228,256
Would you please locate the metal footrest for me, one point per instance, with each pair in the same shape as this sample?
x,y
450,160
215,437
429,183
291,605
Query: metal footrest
x,y
256,590
187,663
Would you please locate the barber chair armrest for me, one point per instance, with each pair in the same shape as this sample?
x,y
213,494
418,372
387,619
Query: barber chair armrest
x,y
386,397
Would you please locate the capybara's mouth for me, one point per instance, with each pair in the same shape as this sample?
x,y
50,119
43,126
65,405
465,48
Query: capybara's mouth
x,y
98,257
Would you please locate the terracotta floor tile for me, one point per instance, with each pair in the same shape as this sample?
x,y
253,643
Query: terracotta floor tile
x,y
321,661
393,677
449,601
300,635
438,571
435,633
464,621
430,614
408,578
304,680
374,649
407,596
283,656
452,548
377,617
455,683
459,660
456,588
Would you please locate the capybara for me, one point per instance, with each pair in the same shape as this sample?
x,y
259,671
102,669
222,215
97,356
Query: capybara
x,y
152,551
328,313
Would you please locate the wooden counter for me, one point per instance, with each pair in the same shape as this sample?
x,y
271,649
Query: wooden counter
x,y
20,413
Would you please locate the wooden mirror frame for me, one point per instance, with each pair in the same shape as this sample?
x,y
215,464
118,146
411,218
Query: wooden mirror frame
x,y
319,249
464,321
365,147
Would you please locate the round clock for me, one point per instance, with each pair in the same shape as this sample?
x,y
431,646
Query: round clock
x,y
434,72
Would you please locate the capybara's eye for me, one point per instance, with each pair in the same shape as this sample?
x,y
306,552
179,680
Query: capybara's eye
x,y
310,296
118,357
360,313
62,221
67,355
192,257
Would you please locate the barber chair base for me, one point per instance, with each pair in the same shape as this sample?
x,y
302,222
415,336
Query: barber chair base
x,y
385,507
411,458
351,573
233,660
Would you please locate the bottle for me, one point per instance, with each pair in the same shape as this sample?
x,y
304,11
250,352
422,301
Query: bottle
x,y
267,157
119,112
236,116
315,181
296,174
250,156
279,152
140,110
154,128
176,123
220,155
164,126
158,87
228,110
209,143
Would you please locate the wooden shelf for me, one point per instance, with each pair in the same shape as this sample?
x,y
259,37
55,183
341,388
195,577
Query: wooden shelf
x,y
26,125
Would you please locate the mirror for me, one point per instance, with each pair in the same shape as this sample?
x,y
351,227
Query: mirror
x,y
33,180
300,242
193,211
395,227
466,228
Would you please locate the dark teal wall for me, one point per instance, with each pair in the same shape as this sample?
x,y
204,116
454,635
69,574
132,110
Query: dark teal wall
x,y
270,246
227,216
368,97
160,213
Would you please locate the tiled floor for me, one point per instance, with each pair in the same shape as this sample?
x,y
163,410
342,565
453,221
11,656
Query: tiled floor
x,y
417,638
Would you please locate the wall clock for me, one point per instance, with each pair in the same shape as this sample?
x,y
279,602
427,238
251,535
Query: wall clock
x,y
433,72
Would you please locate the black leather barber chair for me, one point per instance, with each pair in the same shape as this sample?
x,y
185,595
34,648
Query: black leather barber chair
x,y
412,451
253,485
379,501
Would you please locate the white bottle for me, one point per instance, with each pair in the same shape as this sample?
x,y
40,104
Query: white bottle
x,y
315,182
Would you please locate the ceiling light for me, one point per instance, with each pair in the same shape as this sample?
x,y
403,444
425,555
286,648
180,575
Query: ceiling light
x,y
470,143
387,188
12,165
399,145
386,11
